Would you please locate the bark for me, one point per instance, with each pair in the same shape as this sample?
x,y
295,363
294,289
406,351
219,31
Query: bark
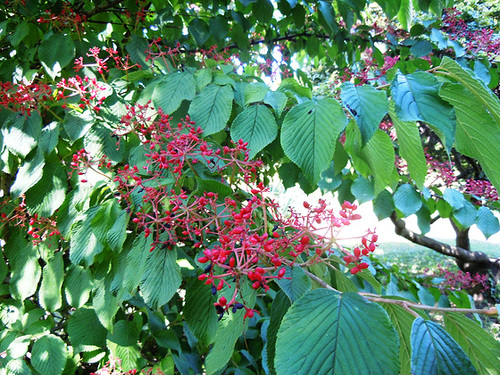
x,y
471,261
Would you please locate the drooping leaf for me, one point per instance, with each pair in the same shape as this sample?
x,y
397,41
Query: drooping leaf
x,y
368,106
255,125
487,222
105,304
21,134
454,198
77,286
280,306
161,277
466,215
478,133
383,205
77,124
52,279
322,328
56,52
200,313
211,108
407,200
255,92
417,99
363,190
81,337
122,343
481,347
169,93
99,141
84,245
410,147
295,283
308,135
49,137
28,174
49,355
435,352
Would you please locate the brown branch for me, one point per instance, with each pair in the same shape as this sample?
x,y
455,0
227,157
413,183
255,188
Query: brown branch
x,y
441,247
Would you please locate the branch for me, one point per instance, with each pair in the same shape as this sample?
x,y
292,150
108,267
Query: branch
x,y
102,8
441,247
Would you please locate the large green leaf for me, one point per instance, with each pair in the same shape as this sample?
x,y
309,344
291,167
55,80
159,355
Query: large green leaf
x,y
481,93
487,222
363,190
25,269
21,134
172,90
308,135
99,142
211,108
77,286
84,245
481,347
48,194
77,124
56,52
368,106
280,306
402,321
48,355
435,352
417,99
122,343
478,133
410,147
295,283
135,263
30,172
81,337
407,200
200,313
255,92
379,155
255,125
333,333
161,278
383,205
105,304
52,279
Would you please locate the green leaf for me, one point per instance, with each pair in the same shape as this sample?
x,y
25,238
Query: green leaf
x,y
478,133
56,52
455,198
383,205
407,200
379,155
19,347
117,235
255,125
122,343
199,30
263,10
435,352
161,278
200,313
230,328
480,346
363,190
77,286
136,48
255,92
77,124
169,93
344,283
30,172
49,355
466,216
295,283
279,307
48,194
84,245
487,222
99,142
52,279
212,107
218,27
308,135
25,269
417,99
21,134
322,329
49,137
478,90
368,106
105,217
326,17
277,100
405,14
410,147
105,304
136,261
402,321
81,337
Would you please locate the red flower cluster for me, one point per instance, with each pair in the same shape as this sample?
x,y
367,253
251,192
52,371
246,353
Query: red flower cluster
x,y
121,63
24,97
482,190
208,200
67,18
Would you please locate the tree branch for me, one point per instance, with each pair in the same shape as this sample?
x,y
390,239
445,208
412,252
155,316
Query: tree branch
x,y
441,247
102,8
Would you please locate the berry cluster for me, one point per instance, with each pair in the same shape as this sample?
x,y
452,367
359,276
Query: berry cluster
x,y
483,191
24,97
